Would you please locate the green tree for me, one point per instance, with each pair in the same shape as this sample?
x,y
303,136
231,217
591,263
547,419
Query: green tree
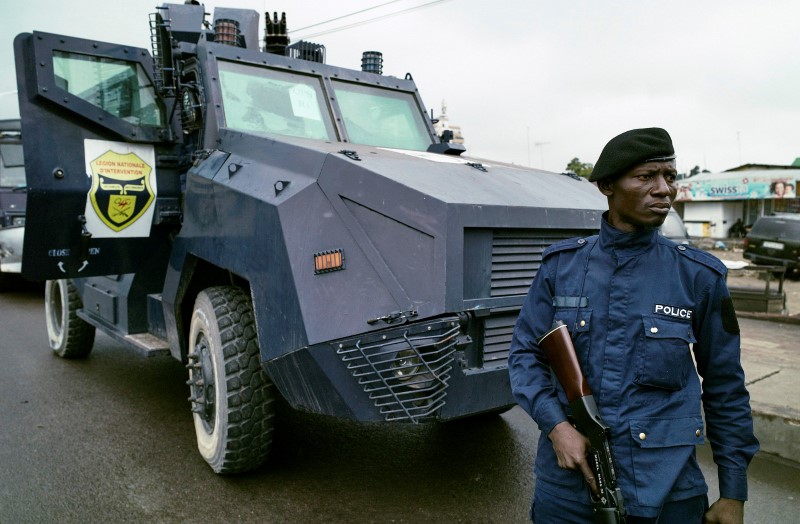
x,y
580,168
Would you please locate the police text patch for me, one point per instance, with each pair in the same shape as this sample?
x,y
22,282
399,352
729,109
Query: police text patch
x,y
673,311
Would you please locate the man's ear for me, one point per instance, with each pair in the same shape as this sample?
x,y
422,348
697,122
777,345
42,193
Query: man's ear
x,y
605,187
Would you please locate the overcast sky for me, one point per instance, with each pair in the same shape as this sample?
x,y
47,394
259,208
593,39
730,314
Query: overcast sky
x,y
536,82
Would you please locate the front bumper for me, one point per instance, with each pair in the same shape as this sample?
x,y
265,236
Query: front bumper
x,y
772,261
408,373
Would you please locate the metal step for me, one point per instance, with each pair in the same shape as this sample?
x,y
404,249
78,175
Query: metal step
x,y
148,344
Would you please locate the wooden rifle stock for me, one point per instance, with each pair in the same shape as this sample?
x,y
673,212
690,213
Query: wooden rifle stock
x,y
557,345
608,506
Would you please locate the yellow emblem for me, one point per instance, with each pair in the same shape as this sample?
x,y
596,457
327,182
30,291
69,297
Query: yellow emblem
x,y
121,191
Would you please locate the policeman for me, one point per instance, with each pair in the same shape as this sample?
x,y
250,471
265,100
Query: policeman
x,y
637,305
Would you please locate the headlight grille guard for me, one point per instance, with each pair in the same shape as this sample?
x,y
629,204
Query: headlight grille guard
x,y
405,371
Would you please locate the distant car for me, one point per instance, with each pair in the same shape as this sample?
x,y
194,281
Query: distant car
x,y
775,240
674,228
13,195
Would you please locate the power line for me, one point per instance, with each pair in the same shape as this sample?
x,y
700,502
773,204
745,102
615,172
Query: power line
x,y
356,24
345,16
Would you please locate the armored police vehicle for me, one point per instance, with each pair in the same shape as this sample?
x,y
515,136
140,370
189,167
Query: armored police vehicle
x,y
12,201
282,226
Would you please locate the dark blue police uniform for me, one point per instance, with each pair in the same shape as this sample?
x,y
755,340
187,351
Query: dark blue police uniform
x,y
637,306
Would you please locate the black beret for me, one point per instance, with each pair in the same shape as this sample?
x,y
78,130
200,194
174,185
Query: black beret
x,y
630,148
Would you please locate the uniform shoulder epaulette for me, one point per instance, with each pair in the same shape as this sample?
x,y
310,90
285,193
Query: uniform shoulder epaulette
x,y
567,245
702,257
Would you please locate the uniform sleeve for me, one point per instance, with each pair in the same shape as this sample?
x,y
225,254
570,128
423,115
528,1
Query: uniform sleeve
x,y
531,380
726,402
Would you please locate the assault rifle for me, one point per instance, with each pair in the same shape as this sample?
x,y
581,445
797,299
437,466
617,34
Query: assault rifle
x,y
607,504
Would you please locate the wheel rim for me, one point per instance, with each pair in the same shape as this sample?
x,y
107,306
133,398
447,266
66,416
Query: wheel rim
x,y
55,313
201,381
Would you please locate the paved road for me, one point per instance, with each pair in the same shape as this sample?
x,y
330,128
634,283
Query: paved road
x,y
110,439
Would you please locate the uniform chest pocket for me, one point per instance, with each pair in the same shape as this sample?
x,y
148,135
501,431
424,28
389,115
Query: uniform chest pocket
x,y
665,359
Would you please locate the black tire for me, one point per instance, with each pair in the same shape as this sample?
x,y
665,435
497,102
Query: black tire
x,y
232,397
5,282
68,335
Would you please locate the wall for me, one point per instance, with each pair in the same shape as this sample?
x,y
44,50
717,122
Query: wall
x,y
711,219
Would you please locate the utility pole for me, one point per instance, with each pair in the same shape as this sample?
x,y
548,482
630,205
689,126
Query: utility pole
x,y
541,145
529,146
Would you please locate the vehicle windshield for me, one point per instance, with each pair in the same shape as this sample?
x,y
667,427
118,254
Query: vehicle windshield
x,y
262,100
381,117
12,166
673,227
271,101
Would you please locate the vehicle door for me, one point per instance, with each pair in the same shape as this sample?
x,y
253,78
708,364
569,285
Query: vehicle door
x,y
99,155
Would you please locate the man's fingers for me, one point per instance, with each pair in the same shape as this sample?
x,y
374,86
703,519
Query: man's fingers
x,y
588,476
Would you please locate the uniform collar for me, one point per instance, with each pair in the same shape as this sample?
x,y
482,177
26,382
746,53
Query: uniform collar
x,y
622,243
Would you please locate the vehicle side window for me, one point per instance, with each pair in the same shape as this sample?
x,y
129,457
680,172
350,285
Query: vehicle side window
x,y
118,87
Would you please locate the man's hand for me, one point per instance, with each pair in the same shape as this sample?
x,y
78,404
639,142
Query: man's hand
x,y
571,449
724,511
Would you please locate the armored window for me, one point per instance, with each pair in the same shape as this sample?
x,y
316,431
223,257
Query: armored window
x,y
12,170
118,87
262,100
382,117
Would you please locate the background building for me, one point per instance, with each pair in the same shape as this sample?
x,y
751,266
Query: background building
x,y
711,203
443,124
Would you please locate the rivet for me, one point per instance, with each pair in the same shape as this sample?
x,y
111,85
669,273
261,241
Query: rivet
x,y
642,436
653,329
583,323
698,433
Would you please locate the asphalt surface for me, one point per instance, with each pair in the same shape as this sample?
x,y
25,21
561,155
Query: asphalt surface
x,y
110,439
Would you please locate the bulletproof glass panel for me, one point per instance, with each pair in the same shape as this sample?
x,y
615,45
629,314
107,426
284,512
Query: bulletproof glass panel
x,y
263,100
382,117
12,170
118,87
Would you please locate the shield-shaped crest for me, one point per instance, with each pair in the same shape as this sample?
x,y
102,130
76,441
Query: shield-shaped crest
x,y
121,190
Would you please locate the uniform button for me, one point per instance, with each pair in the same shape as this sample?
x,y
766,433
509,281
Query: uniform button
x,y
653,329
698,433
642,436
583,323
682,248
581,241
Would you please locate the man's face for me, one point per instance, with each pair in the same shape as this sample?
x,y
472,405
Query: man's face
x,y
641,197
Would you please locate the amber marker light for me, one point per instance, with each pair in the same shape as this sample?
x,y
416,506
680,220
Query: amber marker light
x,y
327,261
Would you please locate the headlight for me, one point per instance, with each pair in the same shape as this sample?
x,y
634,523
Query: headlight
x,y
409,370
18,221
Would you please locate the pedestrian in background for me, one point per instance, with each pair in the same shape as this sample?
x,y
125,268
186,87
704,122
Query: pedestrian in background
x,y
637,305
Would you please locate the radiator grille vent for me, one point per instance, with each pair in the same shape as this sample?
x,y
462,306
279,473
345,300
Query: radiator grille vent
x,y
517,255
497,331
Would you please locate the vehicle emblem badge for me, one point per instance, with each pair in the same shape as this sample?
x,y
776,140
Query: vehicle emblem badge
x,y
121,190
